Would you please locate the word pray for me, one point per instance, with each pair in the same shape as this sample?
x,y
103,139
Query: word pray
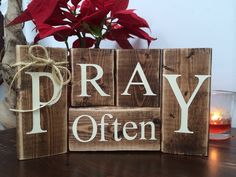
x,y
172,79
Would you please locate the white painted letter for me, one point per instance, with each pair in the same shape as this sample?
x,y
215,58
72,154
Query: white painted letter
x,y
116,129
143,125
138,69
133,126
102,124
183,105
75,128
84,80
36,104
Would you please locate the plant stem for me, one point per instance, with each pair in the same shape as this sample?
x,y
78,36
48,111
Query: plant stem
x,y
98,42
81,41
67,46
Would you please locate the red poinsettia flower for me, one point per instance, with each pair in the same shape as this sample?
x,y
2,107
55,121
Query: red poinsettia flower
x,y
121,36
90,20
37,11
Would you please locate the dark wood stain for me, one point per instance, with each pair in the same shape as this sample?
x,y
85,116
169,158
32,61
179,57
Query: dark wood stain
x,y
53,118
150,61
103,58
123,115
220,163
200,64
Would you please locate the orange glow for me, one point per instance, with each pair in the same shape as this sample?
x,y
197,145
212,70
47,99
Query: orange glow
x,y
214,154
216,116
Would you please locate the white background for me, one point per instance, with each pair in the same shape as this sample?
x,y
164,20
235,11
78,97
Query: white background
x,y
189,24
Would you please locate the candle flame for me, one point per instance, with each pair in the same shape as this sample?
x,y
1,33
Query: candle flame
x,y
216,116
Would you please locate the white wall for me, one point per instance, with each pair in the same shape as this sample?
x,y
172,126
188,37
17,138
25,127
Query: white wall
x,y
190,23
196,23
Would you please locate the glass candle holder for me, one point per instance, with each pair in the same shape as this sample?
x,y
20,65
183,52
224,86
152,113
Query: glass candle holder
x,y
222,106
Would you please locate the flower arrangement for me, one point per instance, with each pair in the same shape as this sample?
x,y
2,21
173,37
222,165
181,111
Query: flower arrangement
x,y
91,21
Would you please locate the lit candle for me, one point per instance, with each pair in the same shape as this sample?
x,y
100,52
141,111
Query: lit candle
x,y
216,117
220,122
222,104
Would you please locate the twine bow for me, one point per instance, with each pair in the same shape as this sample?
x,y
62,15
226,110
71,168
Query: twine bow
x,y
57,73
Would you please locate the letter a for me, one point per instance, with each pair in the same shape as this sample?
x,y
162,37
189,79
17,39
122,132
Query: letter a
x,y
183,105
138,69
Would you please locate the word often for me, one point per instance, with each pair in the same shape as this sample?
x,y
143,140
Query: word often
x,y
115,126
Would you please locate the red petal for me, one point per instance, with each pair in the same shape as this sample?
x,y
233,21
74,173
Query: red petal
x,y
76,44
97,17
98,3
53,21
70,16
25,16
119,5
75,2
124,43
37,10
101,4
37,38
142,34
87,8
120,35
89,42
63,2
63,34
72,8
47,30
128,17
57,18
40,10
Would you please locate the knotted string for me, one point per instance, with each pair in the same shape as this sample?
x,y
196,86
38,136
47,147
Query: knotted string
x,y
57,70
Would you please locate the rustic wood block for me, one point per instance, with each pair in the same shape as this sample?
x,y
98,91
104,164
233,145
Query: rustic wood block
x,y
187,63
127,62
53,119
104,58
82,127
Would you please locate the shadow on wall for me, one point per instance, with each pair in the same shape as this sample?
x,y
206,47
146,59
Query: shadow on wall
x,y
1,99
1,127
234,116
1,48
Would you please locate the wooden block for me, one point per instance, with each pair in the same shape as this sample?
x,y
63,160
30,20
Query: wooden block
x,y
53,119
187,63
105,59
127,62
82,127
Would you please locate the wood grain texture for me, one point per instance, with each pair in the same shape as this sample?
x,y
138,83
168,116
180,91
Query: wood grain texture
x,y
103,58
126,63
123,115
220,163
53,118
187,63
